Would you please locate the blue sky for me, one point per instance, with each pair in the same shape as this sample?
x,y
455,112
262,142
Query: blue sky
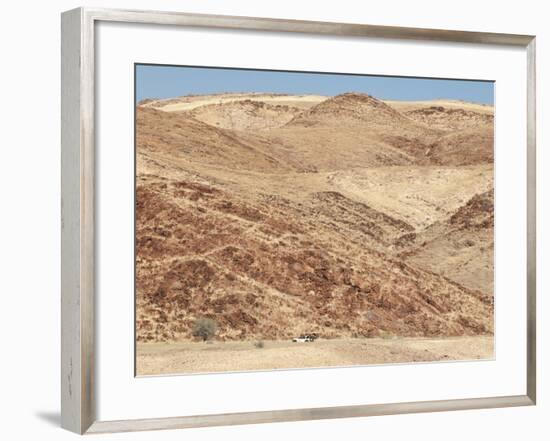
x,y
158,81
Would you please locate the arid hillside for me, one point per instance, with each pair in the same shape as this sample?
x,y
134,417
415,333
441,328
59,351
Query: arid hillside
x,y
246,115
347,216
461,246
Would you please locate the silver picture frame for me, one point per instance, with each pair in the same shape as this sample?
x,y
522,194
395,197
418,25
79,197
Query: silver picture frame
x,y
78,395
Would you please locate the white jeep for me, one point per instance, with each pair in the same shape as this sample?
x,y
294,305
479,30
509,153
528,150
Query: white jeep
x,y
304,338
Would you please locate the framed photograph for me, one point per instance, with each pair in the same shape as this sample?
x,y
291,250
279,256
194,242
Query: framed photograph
x,y
252,208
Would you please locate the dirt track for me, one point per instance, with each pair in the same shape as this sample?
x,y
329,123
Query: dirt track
x,y
170,358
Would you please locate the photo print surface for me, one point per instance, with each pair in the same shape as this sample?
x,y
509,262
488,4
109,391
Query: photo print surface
x,y
304,220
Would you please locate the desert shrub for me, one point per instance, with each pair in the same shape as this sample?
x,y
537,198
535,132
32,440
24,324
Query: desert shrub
x,y
259,344
204,328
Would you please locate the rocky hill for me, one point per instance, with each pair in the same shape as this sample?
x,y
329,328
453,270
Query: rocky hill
x,y
351,107
461,247
341,216
246,115
450,119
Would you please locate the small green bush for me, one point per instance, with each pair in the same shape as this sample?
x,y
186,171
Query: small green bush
x,y
205,328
